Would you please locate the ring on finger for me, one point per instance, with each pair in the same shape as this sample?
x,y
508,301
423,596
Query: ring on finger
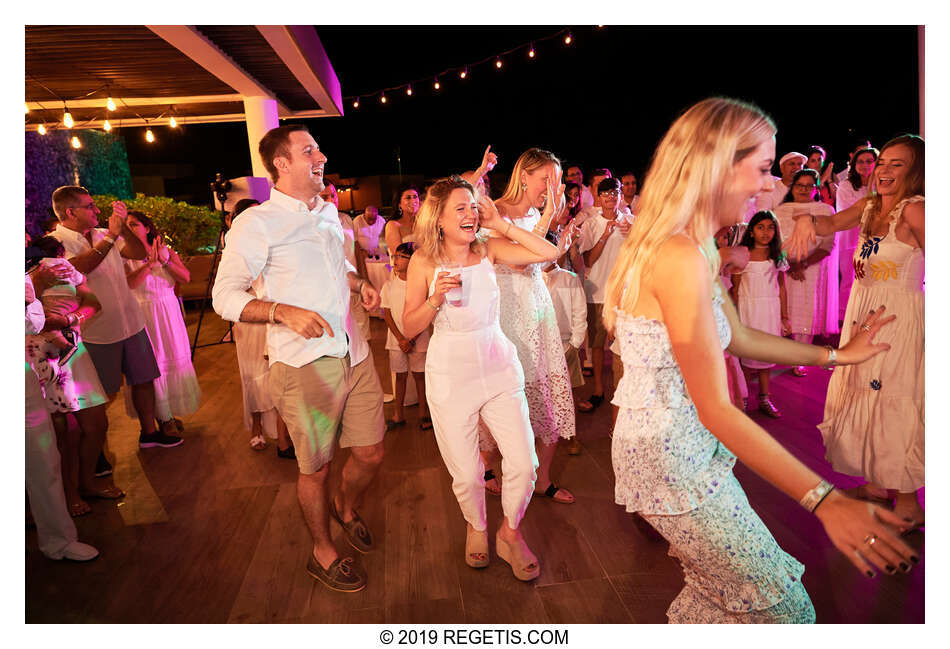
x,y
870,539
865,327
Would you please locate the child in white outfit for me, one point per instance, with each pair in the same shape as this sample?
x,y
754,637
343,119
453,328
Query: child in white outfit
x,y
405,354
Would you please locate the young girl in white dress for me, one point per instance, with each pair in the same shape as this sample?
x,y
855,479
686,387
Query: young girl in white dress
x,y
759,294
678,435
472,370
152,281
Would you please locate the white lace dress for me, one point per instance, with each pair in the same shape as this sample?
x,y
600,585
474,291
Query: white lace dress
x,y
678,476
528,319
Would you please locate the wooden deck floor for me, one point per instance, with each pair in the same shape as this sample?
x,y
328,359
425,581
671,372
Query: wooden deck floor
x,y
211,532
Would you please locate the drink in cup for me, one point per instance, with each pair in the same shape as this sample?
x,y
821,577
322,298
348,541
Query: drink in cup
x,y
454,295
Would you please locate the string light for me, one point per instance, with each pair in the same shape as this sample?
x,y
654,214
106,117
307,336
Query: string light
x,y
41,129
67,120
531,52
436,85
498,63
382,98
110,104
568,39
76,143
463,73
27,106
356,103
409,90
149,136
106,126
173,122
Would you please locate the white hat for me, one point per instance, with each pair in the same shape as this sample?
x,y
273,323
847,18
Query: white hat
x,y
792,155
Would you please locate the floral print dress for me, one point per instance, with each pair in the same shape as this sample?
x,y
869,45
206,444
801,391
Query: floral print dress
x,y
874,412
678,476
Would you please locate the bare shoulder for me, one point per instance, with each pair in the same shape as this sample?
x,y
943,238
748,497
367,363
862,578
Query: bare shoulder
x,y
914,213
679,258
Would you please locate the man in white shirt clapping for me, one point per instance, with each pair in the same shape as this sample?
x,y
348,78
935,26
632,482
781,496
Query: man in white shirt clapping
x,y
322,378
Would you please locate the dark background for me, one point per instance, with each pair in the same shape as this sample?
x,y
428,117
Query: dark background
x,y
603,101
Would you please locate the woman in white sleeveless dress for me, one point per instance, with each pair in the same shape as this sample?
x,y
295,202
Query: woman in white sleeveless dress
x,y
472,369
678,435
152,281
874,414
401,225
527,316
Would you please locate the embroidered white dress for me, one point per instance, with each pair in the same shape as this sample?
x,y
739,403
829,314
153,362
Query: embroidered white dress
x,y
874,412
678,476
527,317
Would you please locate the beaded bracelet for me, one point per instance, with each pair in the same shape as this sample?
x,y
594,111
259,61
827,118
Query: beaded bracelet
x,y
813,498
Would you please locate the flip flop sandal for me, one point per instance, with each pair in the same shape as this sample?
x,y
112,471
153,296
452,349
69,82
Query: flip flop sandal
x,y
79,509
258,443
425,423
109,493
596,399
490,475
587,371
584,406
551,492
392,423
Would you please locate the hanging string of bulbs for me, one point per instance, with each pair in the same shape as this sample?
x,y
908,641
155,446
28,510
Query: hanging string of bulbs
x,y
462,71
69,123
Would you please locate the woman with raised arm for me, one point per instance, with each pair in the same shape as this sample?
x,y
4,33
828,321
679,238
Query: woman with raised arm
x,y
678,435
527,315
874,413
472,369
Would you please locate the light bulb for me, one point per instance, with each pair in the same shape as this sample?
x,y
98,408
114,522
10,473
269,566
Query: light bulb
x,y
436,85
409,90
382,99
75,142
106,126
173,122
568,39
356,103
41,129
531,52
67,120
463,73
498,63
27,106
110,104
149,136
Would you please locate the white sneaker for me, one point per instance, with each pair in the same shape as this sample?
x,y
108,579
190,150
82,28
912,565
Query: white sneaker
x,y
77,551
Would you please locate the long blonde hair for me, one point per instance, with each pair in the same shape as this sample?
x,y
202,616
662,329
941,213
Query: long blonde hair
x,y
684,190
527,162
427,230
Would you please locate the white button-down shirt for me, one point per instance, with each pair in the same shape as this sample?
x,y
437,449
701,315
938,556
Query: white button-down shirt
x,y
298,254
570,305
121,315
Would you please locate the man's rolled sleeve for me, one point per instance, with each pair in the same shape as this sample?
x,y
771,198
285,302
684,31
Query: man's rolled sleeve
x,y
242,261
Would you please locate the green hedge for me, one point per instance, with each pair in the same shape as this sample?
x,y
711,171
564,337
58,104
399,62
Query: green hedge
x,y
190,229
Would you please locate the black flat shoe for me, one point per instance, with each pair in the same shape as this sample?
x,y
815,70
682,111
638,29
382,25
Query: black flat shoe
x,y
596,400
288,453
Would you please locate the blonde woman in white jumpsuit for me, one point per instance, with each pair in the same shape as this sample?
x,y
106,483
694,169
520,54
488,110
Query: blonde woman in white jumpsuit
x,y
472,369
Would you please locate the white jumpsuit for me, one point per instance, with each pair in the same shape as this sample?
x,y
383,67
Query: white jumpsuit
x,y
472,371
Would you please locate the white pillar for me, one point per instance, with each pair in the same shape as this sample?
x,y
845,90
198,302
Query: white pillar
x,y
260,114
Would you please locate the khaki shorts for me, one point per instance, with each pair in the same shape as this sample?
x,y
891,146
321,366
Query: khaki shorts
x,y
596,332
617,367
326,399
574,367
400,362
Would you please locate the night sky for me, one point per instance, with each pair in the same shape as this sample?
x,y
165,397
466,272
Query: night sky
x,y
604,101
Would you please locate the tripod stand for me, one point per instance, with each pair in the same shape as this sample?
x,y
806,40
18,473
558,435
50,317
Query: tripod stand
x,y
220,187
